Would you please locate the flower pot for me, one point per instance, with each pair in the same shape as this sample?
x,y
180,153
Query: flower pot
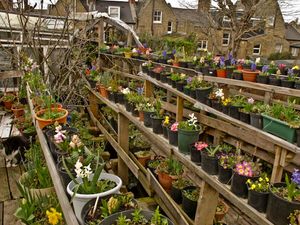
x,y
45,122
166,180
262,79
92,83
249,75
186,91
64,177
143,159
239,186
225,175
157,76
237,76
18,112
8,104
165,131
173,137
145,69
141,116
193,93
256,120
298,137
185,139
182,64
79,200
229,72
274,81
221,73
225,109
258,200
297,85
279,128
245,117
163,78
180,85
151,73
175,64
111,96
212,72
287,83
169,81
202,94
234,112
174,83
195,156
134,111
146,214
209,164
103,92
128,106
189,206
120,98
216,105
176,194
190,65
147,119
156,124
220,215
279,209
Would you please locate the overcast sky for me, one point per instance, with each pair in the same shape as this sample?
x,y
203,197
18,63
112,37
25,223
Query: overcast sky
x,y
290,9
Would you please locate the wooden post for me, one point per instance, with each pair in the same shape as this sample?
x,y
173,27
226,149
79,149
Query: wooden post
x,y
123,140
129,39
179,110
268,97
207,205
277,168
94,105
100,32
148,89
169,96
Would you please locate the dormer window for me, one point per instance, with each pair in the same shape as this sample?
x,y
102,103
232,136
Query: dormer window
x,y
157,17
114,11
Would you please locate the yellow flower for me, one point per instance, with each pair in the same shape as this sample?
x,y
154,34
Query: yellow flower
x,y
248,181
267,179
53,216
167,120
260,179
253,186
296,68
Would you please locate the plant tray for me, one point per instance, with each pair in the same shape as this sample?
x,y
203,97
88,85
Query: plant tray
x,y
279,128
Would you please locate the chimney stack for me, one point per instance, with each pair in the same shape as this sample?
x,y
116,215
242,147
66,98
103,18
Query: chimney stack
x,y
204,5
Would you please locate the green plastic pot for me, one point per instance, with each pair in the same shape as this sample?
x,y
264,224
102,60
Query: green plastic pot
x,y
186,138
279,128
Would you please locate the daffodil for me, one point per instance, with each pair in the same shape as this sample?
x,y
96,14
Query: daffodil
x,y
54,217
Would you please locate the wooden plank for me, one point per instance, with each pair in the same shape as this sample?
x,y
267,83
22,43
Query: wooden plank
x,y
207,205
94,105
148,89
4,187
123,140
14,174
9,209
10,74
277,169
179,110
1,212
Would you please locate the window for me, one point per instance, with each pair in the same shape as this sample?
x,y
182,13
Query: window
x,y
256,49
226,19
270,21
157,17
202,45
114,11
226,39
295,51
170,28
278,48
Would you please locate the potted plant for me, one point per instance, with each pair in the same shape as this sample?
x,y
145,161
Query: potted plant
x,y
250,75
246,109
238,74
289,81
196,151
243,171
103,84
258,192
188,133
294,217
18,109
190,196
148,110
237,102
143,157
221,210
283,199
8,99
166,125
95,211
168,170
153,163
274,79
175,77
216,98
209,160
226,163
203,89
221,71
127,52
173,134
272,68
181,82
157,118
263,76
255,114
137,141
147,66
177,187
90,184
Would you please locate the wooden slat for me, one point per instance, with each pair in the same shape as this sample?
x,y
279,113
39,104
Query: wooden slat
x,y
4,187
9,210
10,74
14,174
179,110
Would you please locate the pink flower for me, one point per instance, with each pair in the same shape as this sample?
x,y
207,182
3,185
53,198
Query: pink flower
x,y
200,145
174,126
250,101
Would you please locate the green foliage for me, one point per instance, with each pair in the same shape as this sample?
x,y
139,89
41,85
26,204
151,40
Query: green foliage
x,y
192,194
157,219
280,56
171,167
212,151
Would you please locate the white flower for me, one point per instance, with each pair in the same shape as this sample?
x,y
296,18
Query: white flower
x,y
219,93
78,170
126,91
202,60
134,50
87,171
250,101
78,164
257,61
30,60
195,58
199,78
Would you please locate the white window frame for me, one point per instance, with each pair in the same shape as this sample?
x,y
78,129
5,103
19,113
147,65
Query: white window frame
x,y
156,17
278,48
115,7
170,25
226,19
227,39
295,52
201,44
255,48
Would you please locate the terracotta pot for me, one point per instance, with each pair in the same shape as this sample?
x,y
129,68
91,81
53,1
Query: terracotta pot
x,y
141,116
249,75
239,67
103,92
53,106
221,73
220,215
166,180
176,64
143,160
18,112
45,122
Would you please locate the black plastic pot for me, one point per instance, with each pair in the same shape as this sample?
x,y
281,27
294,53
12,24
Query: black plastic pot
x,y
279,209
297,85
64,177
173,84
216,105
256,120
225,109
258,200
157,76
128,106
111,96
186,91
180,85
92,83
225,175
202,94
165,131
176,194
274,81
190,65
287,83
229,72
195,156
204,70
156,124
189,206
212,72
245,117
209,164
173,137
239,186
169,81
237,76
234,112
151,73
262,79
119,97
145,69
147,119
193,94
163,78
298,137
134,111
183,64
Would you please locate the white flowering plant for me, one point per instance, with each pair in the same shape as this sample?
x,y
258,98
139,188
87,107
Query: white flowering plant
x,y
191,124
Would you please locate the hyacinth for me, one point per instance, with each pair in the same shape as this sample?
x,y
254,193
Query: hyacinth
x,y
244,169
200,145
140,90
174,126
193,120
189,80
230,56
164,54
290,72
265,68
250,101
296,177
233,61
82,173
75,142
59,136
253,66
219,93
257,61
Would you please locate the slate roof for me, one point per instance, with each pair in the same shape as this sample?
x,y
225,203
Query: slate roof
x,y
198,18
291,34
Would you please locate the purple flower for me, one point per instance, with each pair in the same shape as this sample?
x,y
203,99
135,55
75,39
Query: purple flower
x,y
233,61
189,80
93,68
290,72
140,90
145,45
164,53
174,52
253,66
265,68
296,177
230,56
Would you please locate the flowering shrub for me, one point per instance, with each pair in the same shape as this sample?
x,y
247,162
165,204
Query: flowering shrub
x,y
190,124
260,185
200,145
174,126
